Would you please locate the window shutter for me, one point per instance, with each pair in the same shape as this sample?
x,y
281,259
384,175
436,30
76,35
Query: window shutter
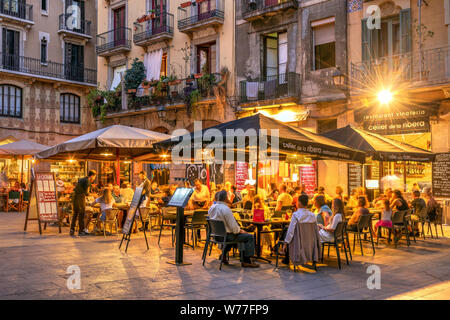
x,y
365,40
405,30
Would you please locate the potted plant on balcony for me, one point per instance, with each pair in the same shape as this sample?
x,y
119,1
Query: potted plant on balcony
x,y
145,84
422,35
186,4
198,75
152,14
190,79
173,80
134,76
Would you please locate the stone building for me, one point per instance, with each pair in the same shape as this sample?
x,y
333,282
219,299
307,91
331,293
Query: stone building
x,y
47,67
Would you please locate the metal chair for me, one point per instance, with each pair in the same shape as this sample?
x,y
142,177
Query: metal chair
x,y
168,219
438,220
424,220
216,234
197,223
14,198
363,227
111,219
398,225
339,238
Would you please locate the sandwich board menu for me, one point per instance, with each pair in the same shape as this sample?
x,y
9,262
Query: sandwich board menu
x,y
43,202
131,216
441,176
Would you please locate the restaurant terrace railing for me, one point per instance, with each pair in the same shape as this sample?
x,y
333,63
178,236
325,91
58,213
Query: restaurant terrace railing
x,y
113,40
83,27
153,28
259,7
16,9
48,69
273,87
183,91
207,11
431,66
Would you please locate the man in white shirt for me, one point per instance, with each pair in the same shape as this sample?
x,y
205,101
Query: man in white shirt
x,y
302,215
284,199
221,211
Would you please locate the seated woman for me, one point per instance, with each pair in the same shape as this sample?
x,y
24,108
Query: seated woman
x,y
360,210
106,202
323,212
386,218
326,234
398,202
249,199
258,203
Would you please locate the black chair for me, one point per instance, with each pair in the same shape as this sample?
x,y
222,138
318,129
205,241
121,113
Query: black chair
x,y
216,234
197,223
168,219
438,220
399,225
410,225
339,238
363,227
424,220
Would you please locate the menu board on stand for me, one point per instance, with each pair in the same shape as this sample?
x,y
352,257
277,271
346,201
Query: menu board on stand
x,y
43,202
355,176
241,175
441,176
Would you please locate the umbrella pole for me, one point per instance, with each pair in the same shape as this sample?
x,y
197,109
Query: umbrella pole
x,y
21,172
207,177
117,166
257,170
404,176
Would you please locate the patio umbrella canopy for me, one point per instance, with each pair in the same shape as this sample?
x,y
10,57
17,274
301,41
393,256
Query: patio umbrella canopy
x,y
292,140
379,147
21,148
106,144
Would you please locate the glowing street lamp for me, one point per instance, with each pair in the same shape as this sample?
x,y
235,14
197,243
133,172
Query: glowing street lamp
x,y
385,96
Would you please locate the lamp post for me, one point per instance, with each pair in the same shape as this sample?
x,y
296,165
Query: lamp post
x,y
339,81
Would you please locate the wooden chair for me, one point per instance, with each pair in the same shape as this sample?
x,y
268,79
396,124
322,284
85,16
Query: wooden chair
x,y
14,200
111,219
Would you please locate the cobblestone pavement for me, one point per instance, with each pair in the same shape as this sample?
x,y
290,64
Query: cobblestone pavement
x,y
34,266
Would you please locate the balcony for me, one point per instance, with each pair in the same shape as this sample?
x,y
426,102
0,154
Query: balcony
x,y
284,88
157,29
180,94
113,42
17,12
202,15
50,70
81,30
261,9
431,67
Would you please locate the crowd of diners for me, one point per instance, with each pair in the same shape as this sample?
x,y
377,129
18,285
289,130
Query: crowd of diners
x,y
324,209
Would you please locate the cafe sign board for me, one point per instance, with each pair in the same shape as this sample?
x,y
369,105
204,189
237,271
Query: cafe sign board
x,y
401,120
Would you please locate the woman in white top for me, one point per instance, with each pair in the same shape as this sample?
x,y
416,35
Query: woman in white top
x,y
106,202
327,233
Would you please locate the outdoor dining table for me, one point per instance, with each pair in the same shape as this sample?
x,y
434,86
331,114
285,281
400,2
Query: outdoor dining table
x,y
259,226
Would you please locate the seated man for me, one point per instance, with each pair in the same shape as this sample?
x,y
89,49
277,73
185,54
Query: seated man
x,y
201,198
302,215
284,199
116,194
220,211
418,204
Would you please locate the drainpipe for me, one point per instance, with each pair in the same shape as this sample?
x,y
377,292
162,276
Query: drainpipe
x,y
419,4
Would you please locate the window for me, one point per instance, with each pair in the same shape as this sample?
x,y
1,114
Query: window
x,y
206,58
324,45
326,125
393,38
69,108
44,6
10,101
164,65
275,55
43,50
118,74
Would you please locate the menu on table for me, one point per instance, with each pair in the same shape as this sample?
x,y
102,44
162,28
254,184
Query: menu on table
x,y
355,176
46,197
441,175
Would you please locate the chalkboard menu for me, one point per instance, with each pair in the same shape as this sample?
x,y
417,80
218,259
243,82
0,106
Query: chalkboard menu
x,y
441,176
135,203
355,176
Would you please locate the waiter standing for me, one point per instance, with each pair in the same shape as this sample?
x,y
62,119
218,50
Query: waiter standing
x,y
79,202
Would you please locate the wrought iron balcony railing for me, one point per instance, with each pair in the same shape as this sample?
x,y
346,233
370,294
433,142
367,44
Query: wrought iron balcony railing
x,y
153,28
273,87
259,7
113,40
49,69
200,14
82,27
16,9
428,66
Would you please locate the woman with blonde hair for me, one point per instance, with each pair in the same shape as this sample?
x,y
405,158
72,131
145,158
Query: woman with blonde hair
x,y
106,202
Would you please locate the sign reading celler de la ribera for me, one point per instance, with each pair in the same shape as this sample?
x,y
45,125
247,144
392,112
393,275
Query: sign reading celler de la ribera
x,y
398,121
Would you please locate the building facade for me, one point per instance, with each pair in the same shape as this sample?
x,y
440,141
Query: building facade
x,y
47,68
188,53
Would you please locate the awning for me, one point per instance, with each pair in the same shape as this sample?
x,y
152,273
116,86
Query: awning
x,y
377,146
21,148
106,144
292,140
